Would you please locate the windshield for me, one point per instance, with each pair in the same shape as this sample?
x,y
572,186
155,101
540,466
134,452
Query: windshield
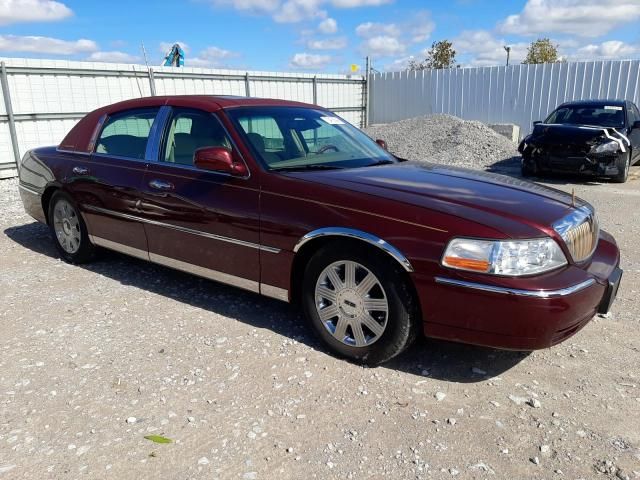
x,y
288,138
597,115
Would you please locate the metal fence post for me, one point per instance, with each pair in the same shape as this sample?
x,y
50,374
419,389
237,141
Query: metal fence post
x,y
367,86
247,87
9,110
152,82
315,90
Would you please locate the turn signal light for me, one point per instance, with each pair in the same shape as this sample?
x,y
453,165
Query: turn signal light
x,y
467,264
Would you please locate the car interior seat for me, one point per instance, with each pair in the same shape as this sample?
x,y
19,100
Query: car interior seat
x,y
257,141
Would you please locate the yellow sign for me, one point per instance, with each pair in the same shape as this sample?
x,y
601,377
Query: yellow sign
x,y
354,68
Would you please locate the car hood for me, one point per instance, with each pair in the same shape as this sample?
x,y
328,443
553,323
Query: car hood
x,y
553,134
496,201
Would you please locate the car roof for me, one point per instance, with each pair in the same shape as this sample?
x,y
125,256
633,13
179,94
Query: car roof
x,y
595,102
209,103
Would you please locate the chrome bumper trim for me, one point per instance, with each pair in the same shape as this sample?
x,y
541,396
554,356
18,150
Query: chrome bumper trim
x,y
212,236
563,292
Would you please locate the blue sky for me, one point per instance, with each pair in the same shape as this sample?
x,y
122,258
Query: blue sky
x,y
315,35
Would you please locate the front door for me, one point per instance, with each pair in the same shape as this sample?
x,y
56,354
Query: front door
x,y
199,221
107,182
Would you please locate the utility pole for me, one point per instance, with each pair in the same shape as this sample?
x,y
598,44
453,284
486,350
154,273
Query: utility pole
x,y
508,50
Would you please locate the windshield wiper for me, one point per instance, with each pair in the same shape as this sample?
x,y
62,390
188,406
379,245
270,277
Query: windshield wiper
x,y
297,168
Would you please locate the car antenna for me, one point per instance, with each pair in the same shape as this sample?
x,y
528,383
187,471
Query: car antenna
x,y
573,197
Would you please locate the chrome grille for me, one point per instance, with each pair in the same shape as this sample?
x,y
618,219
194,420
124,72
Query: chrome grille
x,y
580,232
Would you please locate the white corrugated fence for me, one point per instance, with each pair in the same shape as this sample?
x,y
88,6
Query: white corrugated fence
x,y
47,97
518,94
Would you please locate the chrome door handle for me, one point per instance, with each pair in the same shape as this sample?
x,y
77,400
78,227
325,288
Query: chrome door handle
x,y
161,185
80,170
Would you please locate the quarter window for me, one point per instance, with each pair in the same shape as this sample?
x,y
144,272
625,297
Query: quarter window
x,y
126,134
190,130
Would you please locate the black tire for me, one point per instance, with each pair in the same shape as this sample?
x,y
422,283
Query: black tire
x,y
402,318
79,249
528,168
622,163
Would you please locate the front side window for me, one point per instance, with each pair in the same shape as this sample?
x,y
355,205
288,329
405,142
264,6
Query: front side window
x,y
592,115
287,138
126,134
190,130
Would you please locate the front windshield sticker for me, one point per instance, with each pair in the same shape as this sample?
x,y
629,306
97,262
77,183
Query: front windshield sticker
x,y
611,107
332,120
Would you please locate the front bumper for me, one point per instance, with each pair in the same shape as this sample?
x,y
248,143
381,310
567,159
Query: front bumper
x,y
524,313
599,165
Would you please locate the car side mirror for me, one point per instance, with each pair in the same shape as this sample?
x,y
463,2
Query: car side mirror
x,y
636,124
382,143
219,159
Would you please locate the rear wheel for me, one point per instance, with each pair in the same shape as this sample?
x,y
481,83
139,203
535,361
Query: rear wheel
x,y
68,229
622,163
359,303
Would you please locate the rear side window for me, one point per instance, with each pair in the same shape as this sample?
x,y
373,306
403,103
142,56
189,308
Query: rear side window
x,y
126,134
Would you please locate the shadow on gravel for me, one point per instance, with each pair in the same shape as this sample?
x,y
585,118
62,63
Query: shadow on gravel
x,y
443,360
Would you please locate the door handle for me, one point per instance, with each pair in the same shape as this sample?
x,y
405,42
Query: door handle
x,y
80,170
161,185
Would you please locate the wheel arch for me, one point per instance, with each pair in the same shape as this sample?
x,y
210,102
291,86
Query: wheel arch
x,y
46,198
310,243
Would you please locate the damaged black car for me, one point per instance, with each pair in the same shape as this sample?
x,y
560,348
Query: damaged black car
x,y
596,137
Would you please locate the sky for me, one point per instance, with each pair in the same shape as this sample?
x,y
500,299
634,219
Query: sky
x,y
315,35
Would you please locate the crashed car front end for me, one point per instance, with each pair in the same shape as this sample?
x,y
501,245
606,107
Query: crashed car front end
x,y
590,150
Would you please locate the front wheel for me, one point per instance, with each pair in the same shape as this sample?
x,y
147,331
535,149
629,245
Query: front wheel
x,y
69,230
528,167
622,162
359,303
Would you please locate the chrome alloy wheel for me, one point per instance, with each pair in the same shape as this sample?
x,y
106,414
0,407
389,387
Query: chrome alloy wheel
x,y
67,226
351,303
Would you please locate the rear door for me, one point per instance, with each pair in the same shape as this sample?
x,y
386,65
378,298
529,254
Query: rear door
x,y
200,221
107,182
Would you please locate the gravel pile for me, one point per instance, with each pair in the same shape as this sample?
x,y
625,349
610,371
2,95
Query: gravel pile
x,y
446,139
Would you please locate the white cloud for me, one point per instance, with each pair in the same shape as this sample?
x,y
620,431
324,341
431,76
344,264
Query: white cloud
x,y
56,46
371,29
114,56
253,6
337,43
612,49
359,3
483,49
587,18
309,61
382,46
293,11
211,57
420,27
15,11
328,26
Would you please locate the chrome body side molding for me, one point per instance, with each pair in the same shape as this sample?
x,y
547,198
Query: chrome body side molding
x,y
212,236
244,283
563,292
360,235
26,189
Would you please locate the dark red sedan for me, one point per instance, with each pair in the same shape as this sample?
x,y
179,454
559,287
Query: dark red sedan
x,y
290,201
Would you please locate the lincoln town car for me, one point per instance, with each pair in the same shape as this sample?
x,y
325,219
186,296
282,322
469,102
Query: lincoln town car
x,y
292,202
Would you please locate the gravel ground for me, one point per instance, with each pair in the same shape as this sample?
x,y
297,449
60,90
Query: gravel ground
x,y
95,358
450,140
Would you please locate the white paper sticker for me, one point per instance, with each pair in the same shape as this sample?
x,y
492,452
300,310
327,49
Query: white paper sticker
x,y
611,107
332,120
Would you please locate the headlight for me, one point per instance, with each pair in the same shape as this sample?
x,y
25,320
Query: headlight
x,y
504,257
608,147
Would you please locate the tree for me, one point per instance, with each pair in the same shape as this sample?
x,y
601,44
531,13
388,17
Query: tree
x,y
542,51
440,55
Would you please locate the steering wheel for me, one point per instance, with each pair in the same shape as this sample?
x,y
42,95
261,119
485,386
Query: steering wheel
x,y
327,147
